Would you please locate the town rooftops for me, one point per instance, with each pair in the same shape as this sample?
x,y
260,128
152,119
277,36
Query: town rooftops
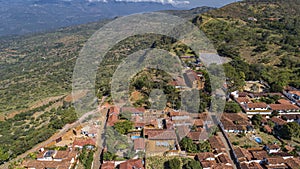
x,y
278,121
291,116
82,142
242,154
205,156
198,122
194,135
160,134
252,165
257,105
34,164
108,165
208,164
296,92
284,101
284,107
132,164
216,143
243,100
292,162
259,154
139,144
224,158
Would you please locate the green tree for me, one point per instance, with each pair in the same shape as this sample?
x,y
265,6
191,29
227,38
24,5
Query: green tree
x,y
188,145
232,107
204,146
123,127
3,155
193,164
290,130
256,120
108,156
174,163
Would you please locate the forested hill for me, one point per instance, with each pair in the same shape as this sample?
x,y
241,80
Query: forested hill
x,y
40,65
262,37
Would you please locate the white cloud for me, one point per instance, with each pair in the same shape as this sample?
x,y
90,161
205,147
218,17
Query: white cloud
x,y
173,2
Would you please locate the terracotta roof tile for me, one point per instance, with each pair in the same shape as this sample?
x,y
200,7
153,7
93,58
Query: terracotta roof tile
x,y
139,144
284,107
207,164
205,155
259,154
194,135
108,165
83,142
216,143
257,105
160,134
130,164
278,121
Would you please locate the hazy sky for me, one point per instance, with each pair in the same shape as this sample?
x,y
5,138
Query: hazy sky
x,y
212,3
178,3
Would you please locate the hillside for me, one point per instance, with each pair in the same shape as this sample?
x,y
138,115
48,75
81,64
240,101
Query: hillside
x,y
262,37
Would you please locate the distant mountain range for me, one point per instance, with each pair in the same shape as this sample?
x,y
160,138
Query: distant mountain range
x,y
26,16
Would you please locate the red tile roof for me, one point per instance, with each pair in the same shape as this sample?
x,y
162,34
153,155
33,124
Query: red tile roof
x,y
257,105
295,92
194,135
242,154
284,101
139,144
268,128
207,164
47,164
160,134
235,121
278,121
243,100
284,107
216,143
293,162
108,165
130,164
205,155
224,158
83,142
252,165
275,160
259,154
221,166
198,122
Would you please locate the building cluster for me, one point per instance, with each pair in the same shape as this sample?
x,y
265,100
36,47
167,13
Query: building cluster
x,y
63,152
251,103
157,133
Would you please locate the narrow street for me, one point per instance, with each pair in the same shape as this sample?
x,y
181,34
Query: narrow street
x,y
220,134
99,142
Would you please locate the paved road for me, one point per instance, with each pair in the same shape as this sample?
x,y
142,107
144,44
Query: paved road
x,y
54,137
220,134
